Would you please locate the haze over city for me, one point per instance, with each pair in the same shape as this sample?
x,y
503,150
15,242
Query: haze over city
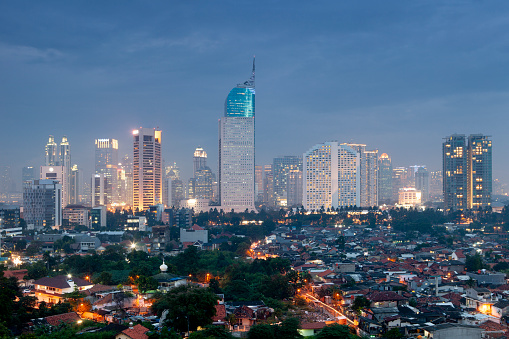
x,y
396,76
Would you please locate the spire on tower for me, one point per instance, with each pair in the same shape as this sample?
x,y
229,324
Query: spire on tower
x,y
251,81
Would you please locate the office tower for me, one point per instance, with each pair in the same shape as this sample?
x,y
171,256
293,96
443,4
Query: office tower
x,y
42,204
409,196
52,157
6,183
422,183
294,188
479,171
190,189
331,176
384,179
177,192
127,168
28,173
203,183
58,173
281,166
199,159
237,148
399,180
65,161
99,190
368,177
147,168
106,162
259,183
436,186
74,186
268,185
467,171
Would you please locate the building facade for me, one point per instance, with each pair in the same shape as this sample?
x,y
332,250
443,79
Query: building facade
x,y
147,168
106,163
281,167
237,148
467,171
330,176
384,179
42,204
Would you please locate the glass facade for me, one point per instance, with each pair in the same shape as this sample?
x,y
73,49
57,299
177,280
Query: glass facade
x,y
240,102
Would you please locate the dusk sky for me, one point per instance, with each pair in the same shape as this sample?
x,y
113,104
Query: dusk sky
x,y
395,75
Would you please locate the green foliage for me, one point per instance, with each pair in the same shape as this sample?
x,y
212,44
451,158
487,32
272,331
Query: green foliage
x,y
146,283
393,333
359,303
187,305
336,331
212,332
474,262
261,331
36,270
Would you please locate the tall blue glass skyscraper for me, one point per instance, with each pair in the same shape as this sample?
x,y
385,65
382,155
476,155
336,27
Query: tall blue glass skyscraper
x,y
237,148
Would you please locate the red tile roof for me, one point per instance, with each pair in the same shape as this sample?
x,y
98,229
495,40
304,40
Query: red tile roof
x,y
136,332
220,313
60,281
313,326
66,318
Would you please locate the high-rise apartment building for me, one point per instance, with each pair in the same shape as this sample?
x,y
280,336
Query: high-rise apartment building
x,y
42,204
479,170
281,167
368,177
268,185
384,179
467,171
399,180
237,148
106,162
51,151
99,190
331,176
147,168
259,183
127,168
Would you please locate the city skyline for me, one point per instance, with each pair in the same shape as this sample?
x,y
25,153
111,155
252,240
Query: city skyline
x,y
399,81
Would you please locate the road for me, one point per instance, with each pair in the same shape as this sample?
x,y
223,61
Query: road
x,y
329,308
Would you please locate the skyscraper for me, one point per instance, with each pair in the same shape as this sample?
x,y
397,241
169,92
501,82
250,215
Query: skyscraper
x,y
384,179
281,167
479,169
258,183
330,176
199,159
106,162
422,183
74,185
147,168
57,173
65,161
467,171
51,152
368,176
28,173
436,186
237,148
294,188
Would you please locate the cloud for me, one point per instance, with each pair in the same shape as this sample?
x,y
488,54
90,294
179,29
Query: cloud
x,y
29,53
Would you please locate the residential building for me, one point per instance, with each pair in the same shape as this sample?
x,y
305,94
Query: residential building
x,y
28,173
74,185
74,215
237,148
51,290
100,187
294,188
384,179
147,168
436,186
409,196
368,175
467,171
65,161
98,217
330,176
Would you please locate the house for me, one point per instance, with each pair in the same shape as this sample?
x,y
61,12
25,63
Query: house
x,y
52,289
450,330
136,332
310,329
55,320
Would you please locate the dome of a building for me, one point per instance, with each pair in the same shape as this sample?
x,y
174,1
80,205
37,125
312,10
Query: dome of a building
x,y
163,267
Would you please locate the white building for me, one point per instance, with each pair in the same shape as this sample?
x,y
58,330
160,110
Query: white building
x,y
368,178
198,205
194,234
147,168
237,149
330,176
409,196
42,204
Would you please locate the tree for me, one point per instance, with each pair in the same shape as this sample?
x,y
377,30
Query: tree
x,y
213,331
473,262
393,333
336,331
261,331
105,278
146,283
359,303
289,329
188,307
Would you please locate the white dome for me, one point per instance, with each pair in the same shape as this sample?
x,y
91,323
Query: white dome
x,y
163,267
